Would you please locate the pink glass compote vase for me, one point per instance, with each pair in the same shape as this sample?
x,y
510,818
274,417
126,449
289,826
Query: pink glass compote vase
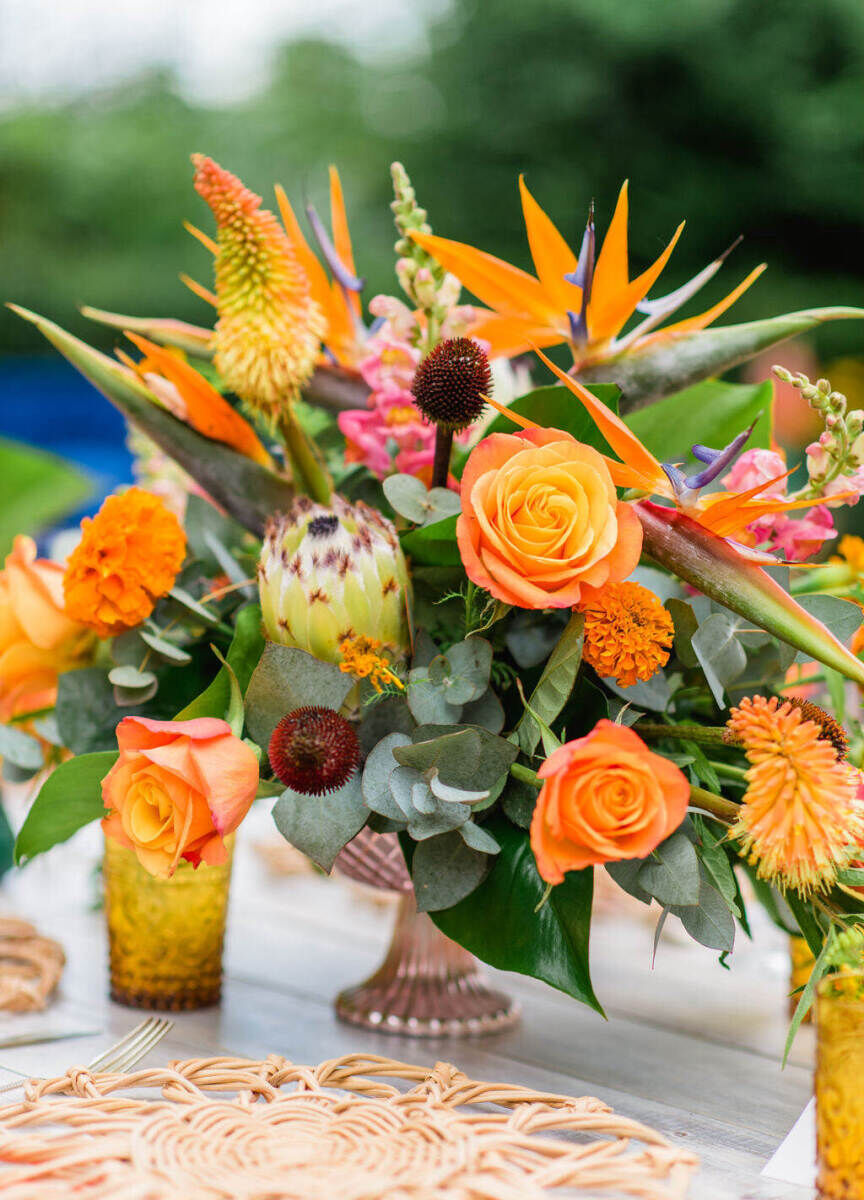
x,y
427,985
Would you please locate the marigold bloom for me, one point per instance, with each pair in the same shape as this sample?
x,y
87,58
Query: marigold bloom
x,y
128,556
802,813
541,520
605,797
269,327
628,632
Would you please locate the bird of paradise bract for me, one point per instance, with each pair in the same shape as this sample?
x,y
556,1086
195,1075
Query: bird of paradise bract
x,y
584,300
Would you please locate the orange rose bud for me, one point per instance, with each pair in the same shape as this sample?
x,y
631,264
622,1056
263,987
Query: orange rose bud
x,y
38,639
605,797
541,520
177,789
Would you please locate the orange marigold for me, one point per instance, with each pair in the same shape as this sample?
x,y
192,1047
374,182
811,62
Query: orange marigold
x,y
628,633
128,556
802,813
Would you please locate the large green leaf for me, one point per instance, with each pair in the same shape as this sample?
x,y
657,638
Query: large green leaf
x,y
286,678
680,360
712,412
499,924
70,798
556,408
248,491
244,652
433,544
36,489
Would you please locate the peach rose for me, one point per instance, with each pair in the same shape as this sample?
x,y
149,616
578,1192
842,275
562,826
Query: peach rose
x,y
177,789
606,796
541,520
37,640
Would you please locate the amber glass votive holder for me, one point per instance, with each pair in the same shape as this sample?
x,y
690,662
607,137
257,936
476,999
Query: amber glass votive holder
x,y
839,1086
165,936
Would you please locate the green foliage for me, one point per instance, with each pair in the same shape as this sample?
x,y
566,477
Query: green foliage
x,y
554,687
711,413
671,872
286,678
70,798
433,545
242,658
36,489
505,924
557,408
445,869
409,498
319,826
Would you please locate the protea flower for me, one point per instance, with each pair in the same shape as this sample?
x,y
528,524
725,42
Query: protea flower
x,y
331,575
269,328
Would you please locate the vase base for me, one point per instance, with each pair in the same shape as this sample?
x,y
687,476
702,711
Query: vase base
x,y
463,1007
188,1001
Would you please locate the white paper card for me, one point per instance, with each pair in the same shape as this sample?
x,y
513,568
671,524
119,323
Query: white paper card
x,y
795,1160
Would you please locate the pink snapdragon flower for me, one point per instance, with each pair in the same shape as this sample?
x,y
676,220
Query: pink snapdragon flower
x,y
388,435
755,467
796,538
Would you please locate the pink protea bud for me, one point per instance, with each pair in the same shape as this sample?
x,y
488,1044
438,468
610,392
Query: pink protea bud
x,y
269,328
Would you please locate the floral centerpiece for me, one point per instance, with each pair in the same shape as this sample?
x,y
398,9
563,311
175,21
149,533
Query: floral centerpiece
x,y
523,631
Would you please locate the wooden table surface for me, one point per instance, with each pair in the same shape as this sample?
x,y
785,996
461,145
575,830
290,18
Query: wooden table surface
x,y
689,1048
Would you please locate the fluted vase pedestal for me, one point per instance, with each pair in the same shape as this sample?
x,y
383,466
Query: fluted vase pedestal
x,y
427,985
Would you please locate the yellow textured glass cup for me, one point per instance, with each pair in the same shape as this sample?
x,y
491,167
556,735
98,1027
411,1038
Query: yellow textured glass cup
x,y
839,1091
165,936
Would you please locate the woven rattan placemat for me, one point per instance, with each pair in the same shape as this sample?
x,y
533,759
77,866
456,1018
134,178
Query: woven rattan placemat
x,y
230,1127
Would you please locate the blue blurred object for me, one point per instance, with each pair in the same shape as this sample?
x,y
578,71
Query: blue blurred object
x,y
47,403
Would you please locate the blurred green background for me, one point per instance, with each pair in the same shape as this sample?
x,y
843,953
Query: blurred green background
x,y
744,116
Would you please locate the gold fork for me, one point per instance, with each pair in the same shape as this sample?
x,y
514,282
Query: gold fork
x,y
123,1054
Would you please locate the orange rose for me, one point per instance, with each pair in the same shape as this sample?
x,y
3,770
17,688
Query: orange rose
x,y
177,789
606,797
541,520
37,639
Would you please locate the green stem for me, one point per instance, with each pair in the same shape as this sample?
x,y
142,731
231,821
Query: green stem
x,y
518,771
310,475
727,771
702,735
724,810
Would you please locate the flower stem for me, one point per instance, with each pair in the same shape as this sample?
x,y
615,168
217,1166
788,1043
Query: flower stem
x,y
525,774
724,810
443,447
310,474
702,735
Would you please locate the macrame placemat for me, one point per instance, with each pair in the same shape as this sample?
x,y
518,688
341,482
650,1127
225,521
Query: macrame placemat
x,y
30,966
222,1128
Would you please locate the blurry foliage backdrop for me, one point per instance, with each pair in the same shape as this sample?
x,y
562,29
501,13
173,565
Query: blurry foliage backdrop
x,y
744,116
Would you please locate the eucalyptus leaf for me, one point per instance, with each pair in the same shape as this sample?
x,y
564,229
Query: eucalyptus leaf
x,y
407,496
445,870
427,699
519,799
379,767
434,545
716,862
653,693
320,826
487,711
671,872
686,623
626,874
131,679
20,748
478,838
709,922
164,648
470,758
721,655
286,678
842,617
190,605
532,635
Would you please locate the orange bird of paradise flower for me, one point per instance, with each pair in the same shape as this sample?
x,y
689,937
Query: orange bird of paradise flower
x,y
585,301
338,297
726,514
